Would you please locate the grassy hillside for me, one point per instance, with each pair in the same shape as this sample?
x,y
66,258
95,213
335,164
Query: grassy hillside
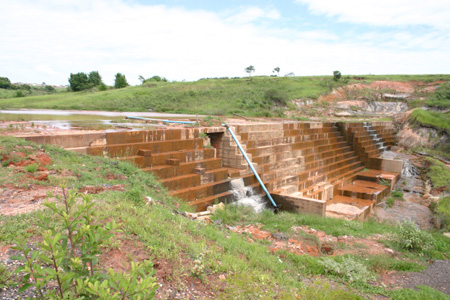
x,y
210,257
253,97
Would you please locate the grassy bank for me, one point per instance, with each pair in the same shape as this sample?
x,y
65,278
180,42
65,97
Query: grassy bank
x,y
252,97
228,264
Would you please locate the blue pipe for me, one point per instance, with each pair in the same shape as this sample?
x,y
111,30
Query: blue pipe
x,y
251,166
164,121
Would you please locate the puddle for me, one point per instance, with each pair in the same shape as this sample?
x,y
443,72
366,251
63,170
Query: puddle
x,y
85,120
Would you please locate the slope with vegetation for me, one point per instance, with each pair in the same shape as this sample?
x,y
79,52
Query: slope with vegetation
x,y
194,258
258,96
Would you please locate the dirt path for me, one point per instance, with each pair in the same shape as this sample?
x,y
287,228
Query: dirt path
x,y
437,276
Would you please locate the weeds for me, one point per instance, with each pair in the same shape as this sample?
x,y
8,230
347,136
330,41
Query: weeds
x,y
349,269
412,238
5,276
31,168
68,257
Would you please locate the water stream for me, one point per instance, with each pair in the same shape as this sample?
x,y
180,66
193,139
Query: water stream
x,y
245,196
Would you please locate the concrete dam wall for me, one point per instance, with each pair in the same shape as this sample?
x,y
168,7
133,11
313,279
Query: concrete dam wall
x,y
313,167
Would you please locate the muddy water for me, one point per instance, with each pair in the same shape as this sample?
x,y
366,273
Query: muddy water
x,y
86,120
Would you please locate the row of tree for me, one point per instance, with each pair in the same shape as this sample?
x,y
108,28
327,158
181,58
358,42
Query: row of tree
x,y
250,69
82,81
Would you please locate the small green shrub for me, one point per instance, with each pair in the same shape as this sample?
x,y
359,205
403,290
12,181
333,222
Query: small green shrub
x,y
349,268
31,168
5,276
412,238
66,264
390,202
277,97
443,209
397,194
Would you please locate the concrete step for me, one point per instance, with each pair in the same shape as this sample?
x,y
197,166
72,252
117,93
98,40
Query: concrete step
x,y
166,171
181,182
315,176
365,190
124,150
379,176
267,150
337,181
214,175
182,155
354,209
198,192
136,160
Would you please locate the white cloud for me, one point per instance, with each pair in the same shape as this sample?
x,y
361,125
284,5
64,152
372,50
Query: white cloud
x,y
48,40
385,12
253,13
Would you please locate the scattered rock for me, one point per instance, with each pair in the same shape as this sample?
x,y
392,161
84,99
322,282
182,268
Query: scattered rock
x,y
212,209
279,236
90,189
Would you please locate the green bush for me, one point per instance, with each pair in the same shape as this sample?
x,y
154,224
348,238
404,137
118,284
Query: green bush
x,y
66,264
277,97
412,238
120,81
5,83
349,268
443,209
31,168
19,94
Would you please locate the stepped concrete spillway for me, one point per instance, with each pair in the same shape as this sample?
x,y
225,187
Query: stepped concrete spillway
x,y
330,169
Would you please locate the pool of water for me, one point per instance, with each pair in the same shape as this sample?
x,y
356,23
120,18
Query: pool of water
x,y
87,120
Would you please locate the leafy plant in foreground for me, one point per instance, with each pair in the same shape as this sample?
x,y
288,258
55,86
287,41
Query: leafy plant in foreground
x,y
412,238
349,268
66,264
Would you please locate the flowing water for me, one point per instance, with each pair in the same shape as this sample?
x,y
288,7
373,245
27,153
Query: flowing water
x,y
245,196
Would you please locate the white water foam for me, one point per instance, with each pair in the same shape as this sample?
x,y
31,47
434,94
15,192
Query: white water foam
x,y
244,196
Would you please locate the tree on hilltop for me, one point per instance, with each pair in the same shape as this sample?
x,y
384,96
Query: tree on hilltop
x,y
120,81
5,83
94,78
249,70
337,75
277,69
79,82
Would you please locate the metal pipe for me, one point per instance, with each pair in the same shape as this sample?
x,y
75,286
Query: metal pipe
x,y
159,120
251,166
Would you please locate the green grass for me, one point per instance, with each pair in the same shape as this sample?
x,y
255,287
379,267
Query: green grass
x,y
441,98
438,173
206,96
422,293
433,119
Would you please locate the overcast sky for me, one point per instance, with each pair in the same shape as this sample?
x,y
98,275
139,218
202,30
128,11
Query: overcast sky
x,y
46,40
